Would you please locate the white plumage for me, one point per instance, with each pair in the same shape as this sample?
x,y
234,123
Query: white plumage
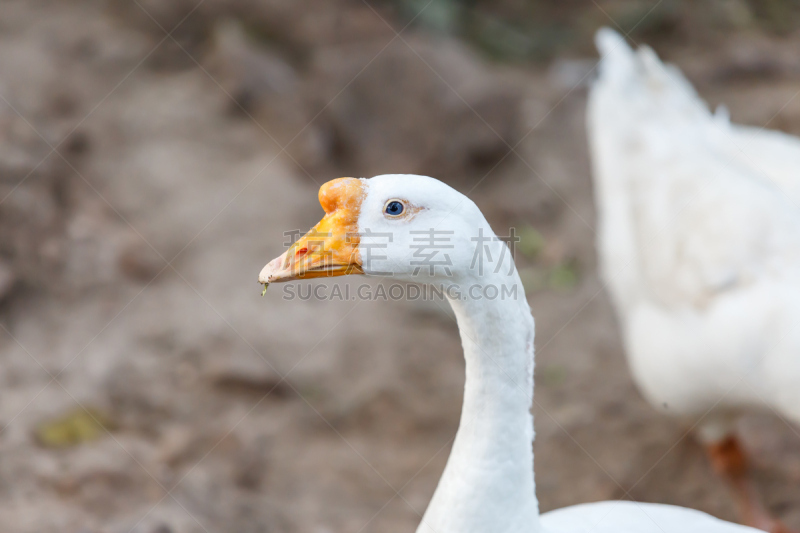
x,y
699,244
488,483
633,517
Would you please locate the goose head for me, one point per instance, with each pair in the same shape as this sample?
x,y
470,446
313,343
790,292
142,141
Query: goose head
x,y
413,228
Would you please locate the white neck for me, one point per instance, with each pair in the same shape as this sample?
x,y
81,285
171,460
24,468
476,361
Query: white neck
x,y
488,483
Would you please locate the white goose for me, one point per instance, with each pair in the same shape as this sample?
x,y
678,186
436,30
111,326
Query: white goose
x,y
699,243
487,485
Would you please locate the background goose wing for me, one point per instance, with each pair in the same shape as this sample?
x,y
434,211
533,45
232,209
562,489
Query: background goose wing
x,y
690,205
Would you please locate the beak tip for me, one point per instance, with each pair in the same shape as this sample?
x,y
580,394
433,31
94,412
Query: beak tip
x,y
271,271
264,275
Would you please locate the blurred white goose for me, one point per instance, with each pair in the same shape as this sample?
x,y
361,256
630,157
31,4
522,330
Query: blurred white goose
x,y
487,485
699,243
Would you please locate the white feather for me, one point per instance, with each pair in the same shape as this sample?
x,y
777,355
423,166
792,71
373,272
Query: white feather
x,y
633,517
488,482
699,241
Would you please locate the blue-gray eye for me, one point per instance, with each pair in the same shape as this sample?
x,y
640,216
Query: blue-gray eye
x,y
394,208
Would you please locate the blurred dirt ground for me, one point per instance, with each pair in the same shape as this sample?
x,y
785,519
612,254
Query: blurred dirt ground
x,y
144,183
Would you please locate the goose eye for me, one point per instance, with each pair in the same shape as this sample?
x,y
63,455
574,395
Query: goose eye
x,y
394,208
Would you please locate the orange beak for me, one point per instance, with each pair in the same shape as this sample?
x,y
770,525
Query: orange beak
x,y
331,247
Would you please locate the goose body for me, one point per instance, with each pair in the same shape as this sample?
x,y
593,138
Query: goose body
x,y
699,245
634,517
488,482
